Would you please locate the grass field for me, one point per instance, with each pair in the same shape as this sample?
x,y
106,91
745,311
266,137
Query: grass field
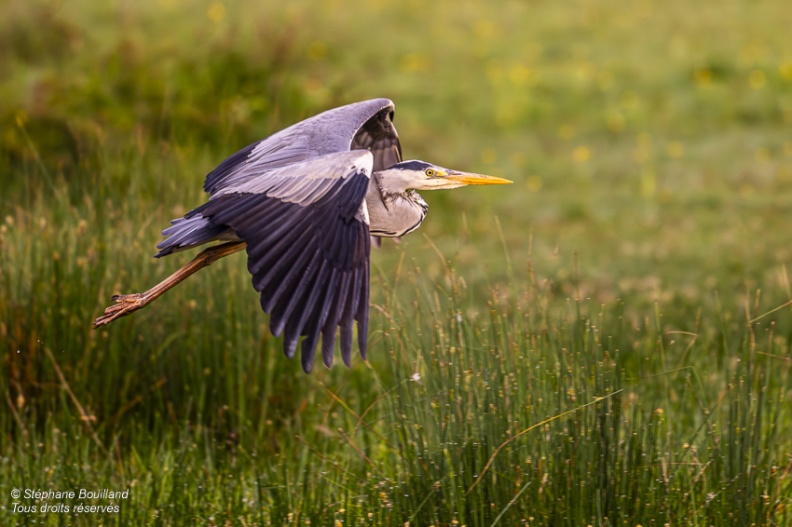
x,y
605,342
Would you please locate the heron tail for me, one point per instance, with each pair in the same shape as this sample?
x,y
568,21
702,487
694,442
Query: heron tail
x,y
191,231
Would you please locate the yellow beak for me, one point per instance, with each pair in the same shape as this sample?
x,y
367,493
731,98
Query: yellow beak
x,y
467,178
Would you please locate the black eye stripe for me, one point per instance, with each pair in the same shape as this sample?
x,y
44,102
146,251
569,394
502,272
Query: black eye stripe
x,y
412,165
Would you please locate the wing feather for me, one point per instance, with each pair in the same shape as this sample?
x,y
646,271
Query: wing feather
x,y
379,136
328,343
345,339
308,248
363,125
363,310
310,318
307,292
276,285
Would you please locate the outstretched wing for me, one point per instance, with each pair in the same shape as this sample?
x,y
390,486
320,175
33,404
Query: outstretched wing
x,y
307,232
363,125
297,198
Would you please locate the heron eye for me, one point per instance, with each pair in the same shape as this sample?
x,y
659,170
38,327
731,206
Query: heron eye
x,y
430,172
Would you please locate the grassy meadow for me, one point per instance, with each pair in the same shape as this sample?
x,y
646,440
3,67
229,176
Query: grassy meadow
x,y
606,342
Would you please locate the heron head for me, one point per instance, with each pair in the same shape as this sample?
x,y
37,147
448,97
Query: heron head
x,y
420,175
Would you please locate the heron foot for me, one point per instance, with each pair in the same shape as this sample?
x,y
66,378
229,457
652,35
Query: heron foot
x,y
124,305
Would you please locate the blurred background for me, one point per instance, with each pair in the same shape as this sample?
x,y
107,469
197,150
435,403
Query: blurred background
x,y
650,145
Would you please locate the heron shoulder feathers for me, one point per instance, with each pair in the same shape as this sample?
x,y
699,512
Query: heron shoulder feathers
x,y
364,125
306,181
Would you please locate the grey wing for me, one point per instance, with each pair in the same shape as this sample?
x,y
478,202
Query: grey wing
x,y
307,232
379,136
364,125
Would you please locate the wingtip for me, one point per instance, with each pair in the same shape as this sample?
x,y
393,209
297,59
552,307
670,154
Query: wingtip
x,y
308,352
163,252
307,366
363,342
328,344
289,347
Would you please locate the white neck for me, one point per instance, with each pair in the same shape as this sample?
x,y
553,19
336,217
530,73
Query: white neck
x,y
393,213
394,182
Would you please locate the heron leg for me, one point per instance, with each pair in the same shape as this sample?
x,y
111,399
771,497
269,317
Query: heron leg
x,y
127,304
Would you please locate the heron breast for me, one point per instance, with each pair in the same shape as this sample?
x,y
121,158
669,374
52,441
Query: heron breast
x,y
397,216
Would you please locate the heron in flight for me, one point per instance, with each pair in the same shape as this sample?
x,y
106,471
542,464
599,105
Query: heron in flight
x,y
305,204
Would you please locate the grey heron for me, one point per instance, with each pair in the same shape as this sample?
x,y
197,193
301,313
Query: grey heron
x,y
304,204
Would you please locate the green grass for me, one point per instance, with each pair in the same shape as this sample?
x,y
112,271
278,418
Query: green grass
x,y
606,342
